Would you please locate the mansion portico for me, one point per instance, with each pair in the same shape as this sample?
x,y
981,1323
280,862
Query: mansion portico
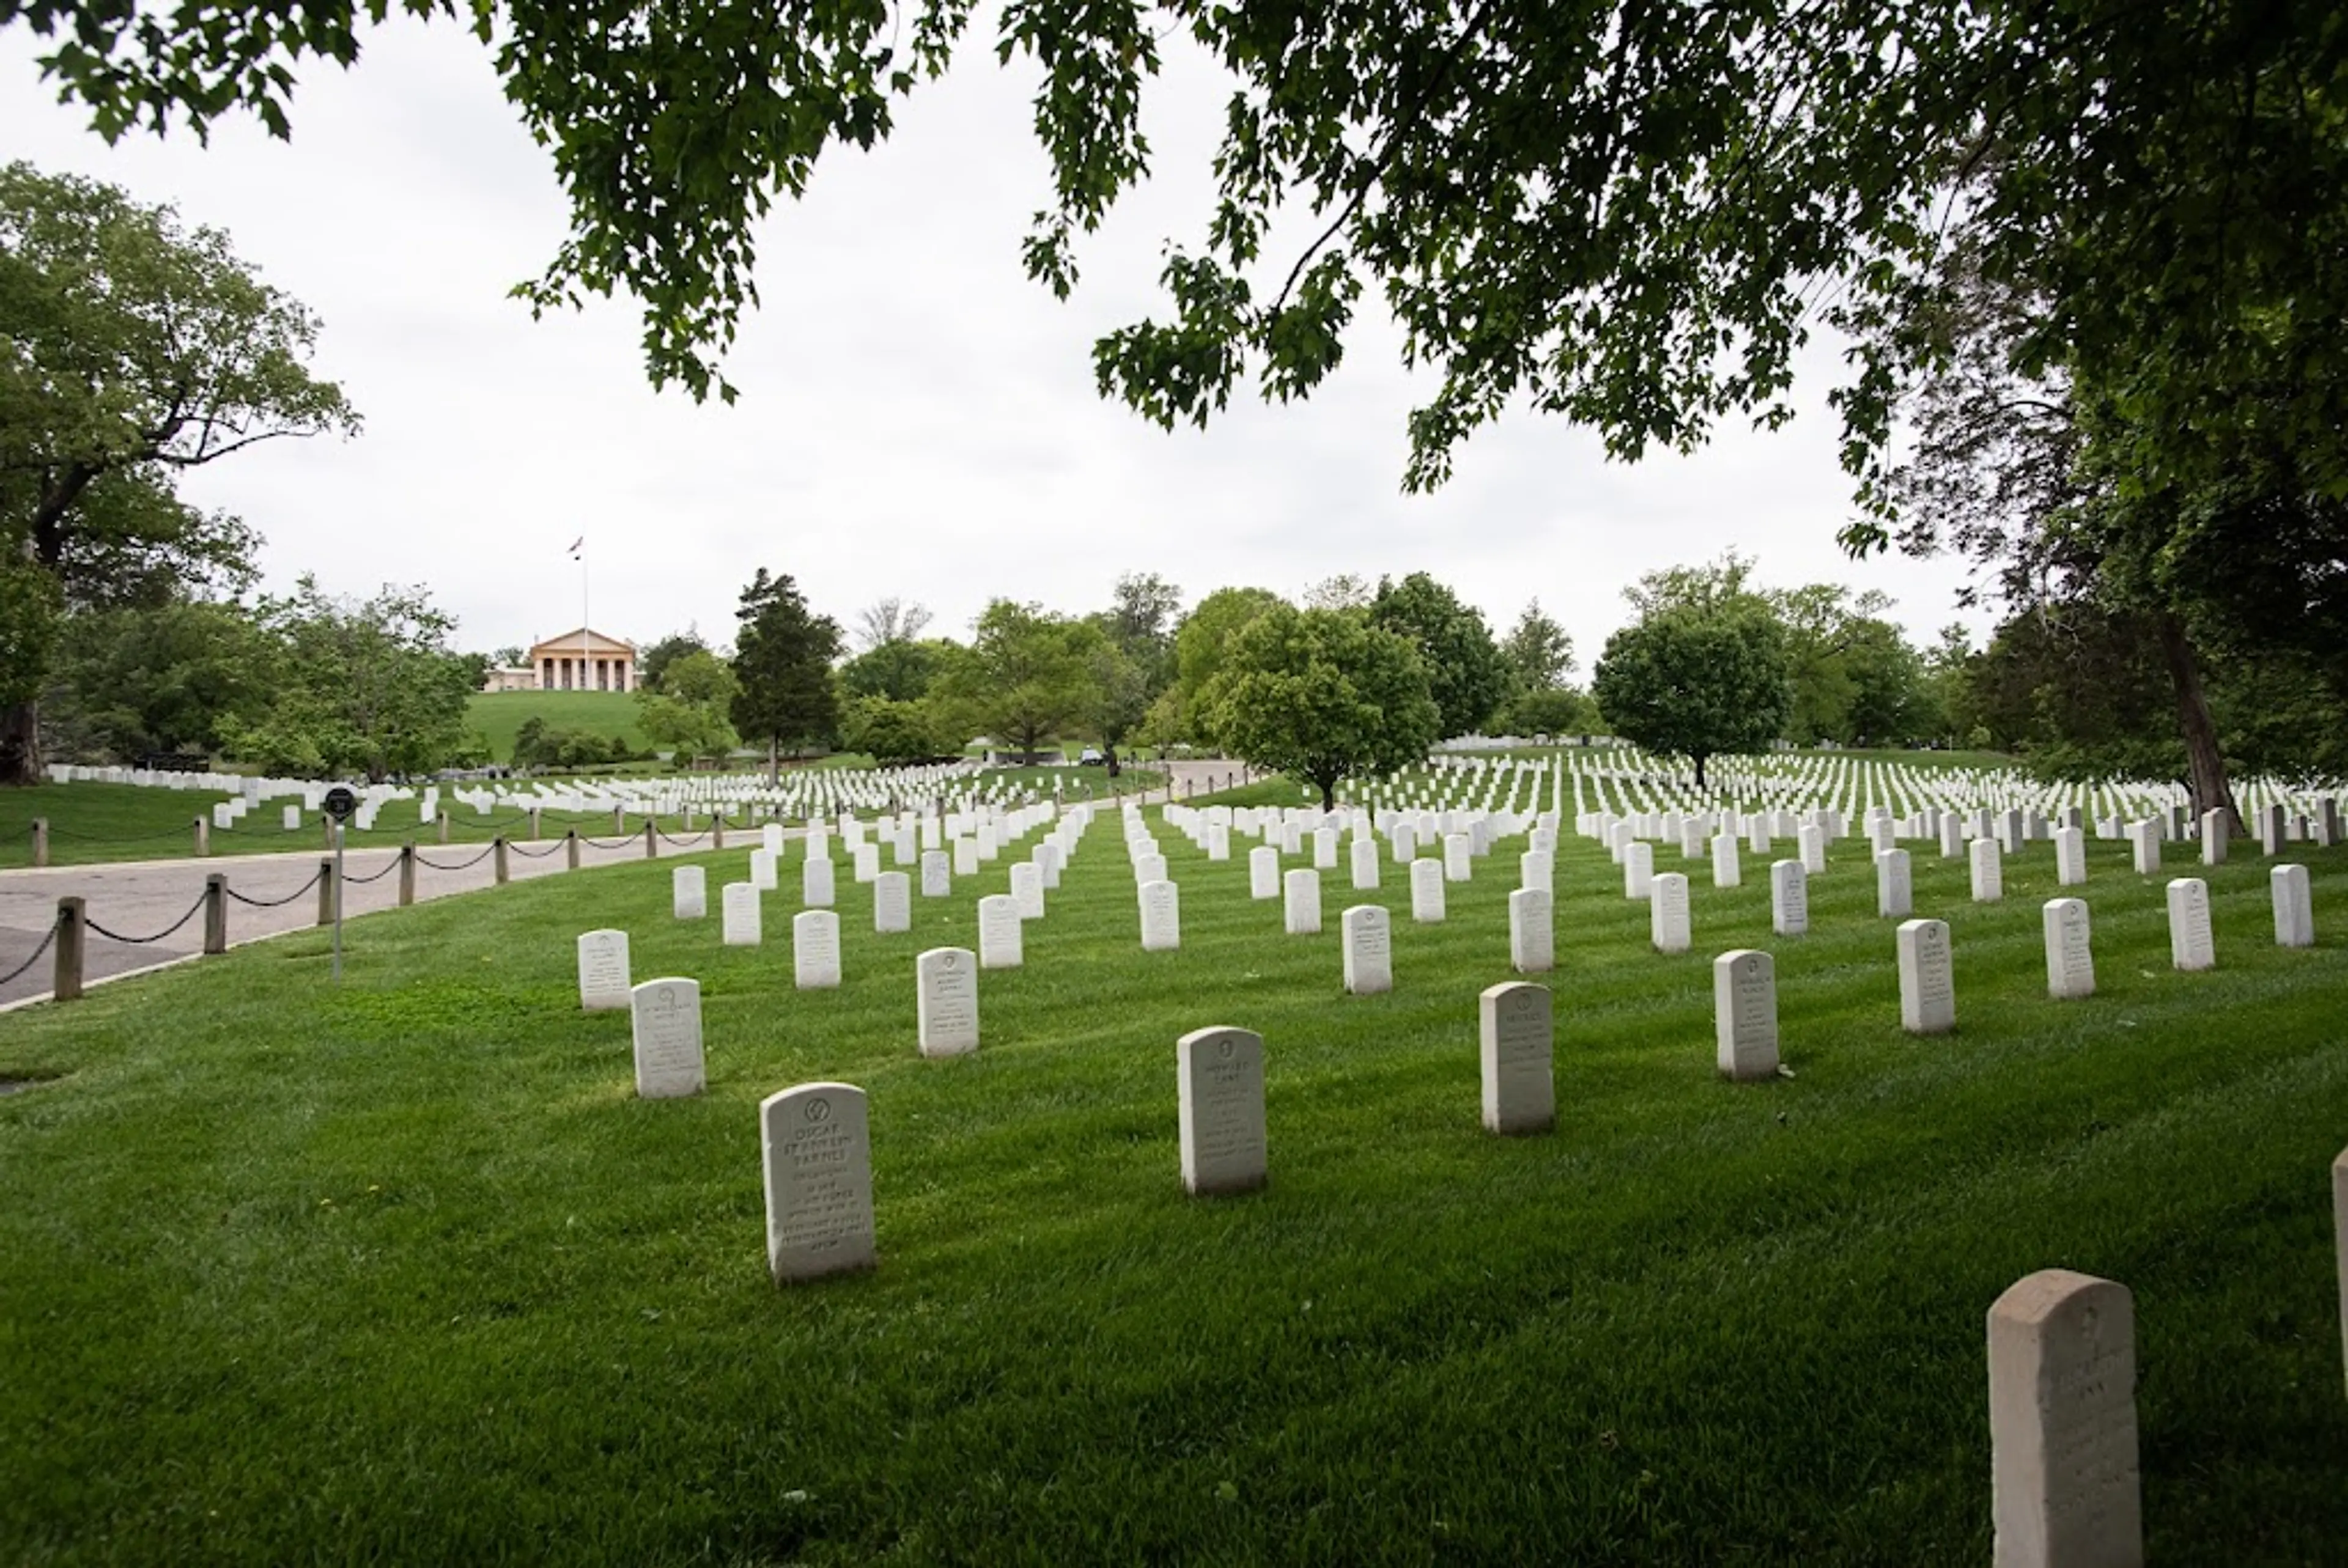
x,y
585,661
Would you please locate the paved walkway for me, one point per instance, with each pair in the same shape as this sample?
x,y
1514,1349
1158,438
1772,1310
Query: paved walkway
x,y
141,898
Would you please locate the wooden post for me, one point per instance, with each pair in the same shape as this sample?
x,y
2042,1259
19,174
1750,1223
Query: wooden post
x,y
40,841
216,913
444,825
533,823
570,840
407,874
71,939
500,844
326,892
652,840
717,830
619,820
203,837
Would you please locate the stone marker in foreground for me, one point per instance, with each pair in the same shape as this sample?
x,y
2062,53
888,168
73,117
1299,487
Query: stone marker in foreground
x,y
1638,870
1000,943
1301,904
1520,1075
2294,907
2070,956
946,1005
1745,1013
1895,884
603,971
893,902
816,1144
815,948
1218,1089
739,922
1161,916
1928,983
1667,913
1727,863
1427,891
666,1016
1532,939
689,893
2144,846
2062,1424
2213,836
1369,950
1989,871
2191,944
1789,899
1264,872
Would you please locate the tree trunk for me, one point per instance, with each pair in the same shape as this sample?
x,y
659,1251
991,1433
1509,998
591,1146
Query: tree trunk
x,y
20,744
1328,794
1699,770
1108,756
773,760
2205,765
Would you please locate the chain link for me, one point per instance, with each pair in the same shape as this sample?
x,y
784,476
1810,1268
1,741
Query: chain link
x,y
460,865
11,976
97,929
315,878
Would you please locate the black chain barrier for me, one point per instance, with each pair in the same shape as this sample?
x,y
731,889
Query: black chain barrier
x,y
68,833
460,865
553,848
611,843
689,838
97,929
13,974
315,878
388,867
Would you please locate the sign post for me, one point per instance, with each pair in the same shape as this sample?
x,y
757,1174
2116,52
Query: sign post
x,y
339,803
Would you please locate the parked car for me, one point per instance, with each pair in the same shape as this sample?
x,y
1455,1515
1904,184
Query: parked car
x,y
1090,757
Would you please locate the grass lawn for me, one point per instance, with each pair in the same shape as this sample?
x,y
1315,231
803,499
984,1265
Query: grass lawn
x,y
499,714
402,1271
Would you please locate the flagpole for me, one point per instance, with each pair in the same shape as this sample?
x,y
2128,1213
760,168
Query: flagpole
x,y
583,619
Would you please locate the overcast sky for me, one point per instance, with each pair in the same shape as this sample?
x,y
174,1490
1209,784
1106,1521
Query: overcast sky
x,y
916,418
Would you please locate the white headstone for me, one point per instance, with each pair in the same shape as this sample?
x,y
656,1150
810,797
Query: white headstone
x,y
1928,981
815,882
1989,871
1427,891
1952,836
738,913
1789,899
1638,869
965,860
665,1019
1364,854
1161,916
1264,872
1369,950
1300,902
1218,1078
1520,1077
689,893
2144,839
770,838
815,949
1000,946
762,870
1727,864
946,1008
1324,849
1027,890
2070,955
1894,886
2070,857
816,1144
1813,842
1745,1012
2063,1483
1458,853
2294,906
1532,938
290,819
2191,943
1405,842
2214,831
893,902
603,970
1535,870
1149,868
1667,913
937,874
865,861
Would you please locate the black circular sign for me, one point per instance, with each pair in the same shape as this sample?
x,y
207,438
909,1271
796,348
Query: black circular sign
x,y
340,803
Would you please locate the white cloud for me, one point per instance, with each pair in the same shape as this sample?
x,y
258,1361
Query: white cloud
x,y
917,418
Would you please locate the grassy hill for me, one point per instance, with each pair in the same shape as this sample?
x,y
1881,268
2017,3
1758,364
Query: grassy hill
x,y
498,715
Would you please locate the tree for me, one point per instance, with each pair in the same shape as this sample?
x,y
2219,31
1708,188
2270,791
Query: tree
x,y
133,680
1464,667
1323,695
782,662
367,687
1697,680
509,656
1027,676
901,672
891,620
1553,711
654,665
136,350
1342,590
687,711
892,732
1536,650
1134,663
1204,636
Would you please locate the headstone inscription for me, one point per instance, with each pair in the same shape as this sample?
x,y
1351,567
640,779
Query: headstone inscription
x,y
1000,946
1517,1052
1928,986
937,875
1027,890
2063,1488
1427,891
2070,857
815,949
1745,1014
1789,899
689,893
815,1146
2070,955
893,902
1988,870
1219,1086
666,1021
1638,869
1264,872
2191,943
1161,916
946,1004
1300,902
816,882
1532,939
739,915
1667,913
2294,906
1369,962
1895,897
603,971
2144,843
1728,866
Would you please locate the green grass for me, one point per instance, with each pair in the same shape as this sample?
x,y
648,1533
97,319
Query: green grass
x,y
499,715
402,1271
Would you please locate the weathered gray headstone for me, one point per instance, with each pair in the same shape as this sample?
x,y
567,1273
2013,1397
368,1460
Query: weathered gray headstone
x,y
603,971
2294,906
740,925
816,1144
1927,982
1532,939
1368,939
1789,899
1300,902
1517,1050
1667,913
2191,943
1161,916
946,1003
2062,1421
1427,891
1219,1077
665,1016
2070,954
893,902
1745,1013
815,948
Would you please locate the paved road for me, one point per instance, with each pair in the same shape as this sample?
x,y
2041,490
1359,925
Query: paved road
x,y
142,897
